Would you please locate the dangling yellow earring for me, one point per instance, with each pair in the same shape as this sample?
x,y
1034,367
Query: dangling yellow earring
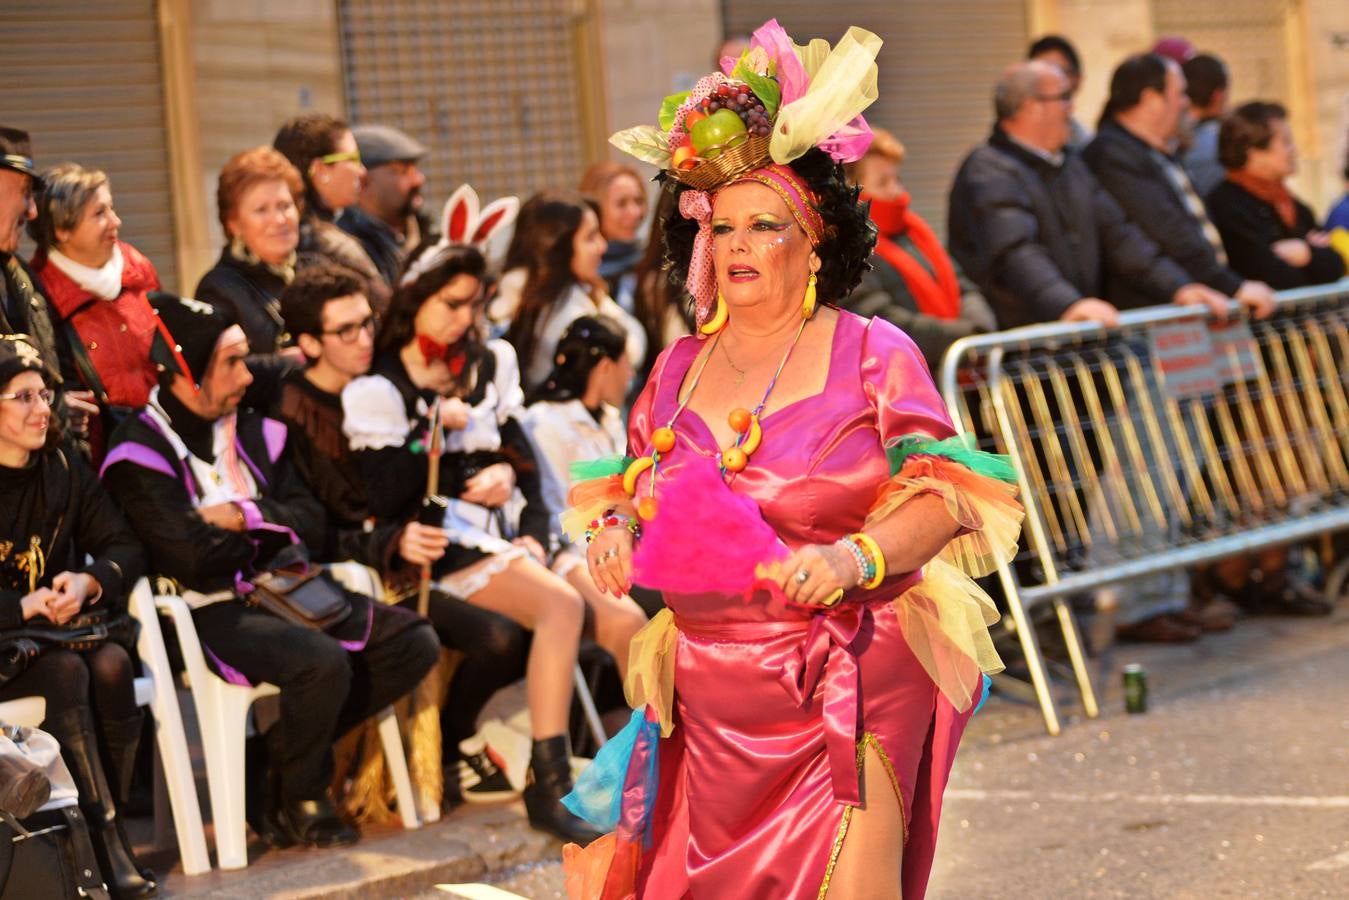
x,y
808,305
718,320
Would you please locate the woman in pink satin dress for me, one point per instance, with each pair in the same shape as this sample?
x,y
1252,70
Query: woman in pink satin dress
x,y
796,491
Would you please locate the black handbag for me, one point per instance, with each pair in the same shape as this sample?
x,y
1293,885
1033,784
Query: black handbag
x,y
87,631
301,593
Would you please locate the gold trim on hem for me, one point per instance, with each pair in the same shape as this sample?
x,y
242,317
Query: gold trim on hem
x,y
868,740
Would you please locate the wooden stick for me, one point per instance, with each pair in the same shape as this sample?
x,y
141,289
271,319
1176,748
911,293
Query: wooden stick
x,y
433,451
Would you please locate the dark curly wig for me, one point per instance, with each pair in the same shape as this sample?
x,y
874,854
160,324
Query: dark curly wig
x,y
844,253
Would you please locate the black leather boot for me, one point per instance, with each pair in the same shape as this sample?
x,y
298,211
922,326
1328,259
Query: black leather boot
x,y
549,782
75,729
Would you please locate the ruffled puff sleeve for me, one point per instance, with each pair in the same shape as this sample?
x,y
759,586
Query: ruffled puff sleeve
x,y
945,616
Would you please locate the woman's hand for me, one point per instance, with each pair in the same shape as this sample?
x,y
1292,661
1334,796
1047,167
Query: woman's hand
x,y
453,413
533,548
224,515
37,603
609,558
421,544
491,487
1293,251
81,408
70,591
815,573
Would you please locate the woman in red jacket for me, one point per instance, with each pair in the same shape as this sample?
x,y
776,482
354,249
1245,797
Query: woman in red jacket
x,y
97,286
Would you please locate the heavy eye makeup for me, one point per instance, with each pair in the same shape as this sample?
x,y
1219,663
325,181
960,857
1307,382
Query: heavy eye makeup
x,y
763,223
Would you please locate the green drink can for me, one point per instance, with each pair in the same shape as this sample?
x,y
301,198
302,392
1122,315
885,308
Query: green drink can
x,y
1135,689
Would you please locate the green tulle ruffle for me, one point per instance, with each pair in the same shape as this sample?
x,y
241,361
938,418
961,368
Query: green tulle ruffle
x,y
958,449
586,469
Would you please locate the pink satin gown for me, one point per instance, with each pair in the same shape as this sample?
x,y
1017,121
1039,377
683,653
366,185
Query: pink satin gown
x,y
774,702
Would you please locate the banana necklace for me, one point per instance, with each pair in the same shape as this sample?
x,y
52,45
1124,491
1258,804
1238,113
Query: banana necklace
x,y
734,458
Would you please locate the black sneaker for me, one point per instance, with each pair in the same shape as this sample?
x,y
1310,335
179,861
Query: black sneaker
x,y
481,779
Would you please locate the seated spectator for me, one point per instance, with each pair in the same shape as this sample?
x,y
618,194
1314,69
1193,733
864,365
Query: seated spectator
x,y
574,416
1131,157
1269,234
1057,51
1034,229
620,197
326,310
553,279
1206,85
210,492
913,282
386,217
23,307
323,150
64,550
97,285
257,196
431,360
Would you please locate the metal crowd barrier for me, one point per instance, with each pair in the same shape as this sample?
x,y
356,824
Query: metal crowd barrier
x,y
1169,441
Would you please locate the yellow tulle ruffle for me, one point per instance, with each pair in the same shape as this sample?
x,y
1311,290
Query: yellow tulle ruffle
x,y
842,84
651,665
946,616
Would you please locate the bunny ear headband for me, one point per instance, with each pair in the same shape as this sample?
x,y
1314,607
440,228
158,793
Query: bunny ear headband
x,y
769,107
464,222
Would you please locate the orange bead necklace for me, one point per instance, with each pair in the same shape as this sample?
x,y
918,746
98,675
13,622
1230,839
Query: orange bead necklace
x,y
745,423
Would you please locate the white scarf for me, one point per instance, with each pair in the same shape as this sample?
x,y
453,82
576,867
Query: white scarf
x,y
104,283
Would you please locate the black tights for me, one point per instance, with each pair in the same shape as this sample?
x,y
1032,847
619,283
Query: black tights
x,y
101,679
495,650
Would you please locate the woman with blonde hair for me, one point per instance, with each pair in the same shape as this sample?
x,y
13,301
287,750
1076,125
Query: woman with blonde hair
x,y
618,191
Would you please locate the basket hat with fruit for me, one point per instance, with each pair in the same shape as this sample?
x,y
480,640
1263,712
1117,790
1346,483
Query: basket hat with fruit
x,y
769,107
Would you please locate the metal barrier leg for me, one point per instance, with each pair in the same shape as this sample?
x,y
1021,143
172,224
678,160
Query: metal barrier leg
x,y
1030,649
1072,638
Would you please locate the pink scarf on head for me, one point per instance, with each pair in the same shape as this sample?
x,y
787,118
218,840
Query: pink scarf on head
x,y
695,205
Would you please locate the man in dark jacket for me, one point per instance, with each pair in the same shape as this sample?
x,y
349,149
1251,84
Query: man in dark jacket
x,y
1036,231
212,496
1131,157
386,219
23,308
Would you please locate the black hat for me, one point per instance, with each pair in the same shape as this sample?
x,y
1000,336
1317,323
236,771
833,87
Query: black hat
x,y
18,355
188,331
16,151
380,144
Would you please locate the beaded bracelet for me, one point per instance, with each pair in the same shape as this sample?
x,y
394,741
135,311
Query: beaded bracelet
x,y
864,569
612,519
877,559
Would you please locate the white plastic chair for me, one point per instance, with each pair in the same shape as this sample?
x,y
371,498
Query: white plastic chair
x,y
222,715
154,690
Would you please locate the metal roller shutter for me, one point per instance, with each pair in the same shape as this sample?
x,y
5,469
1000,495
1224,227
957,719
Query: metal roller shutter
x,y
937,70
493,87
84,79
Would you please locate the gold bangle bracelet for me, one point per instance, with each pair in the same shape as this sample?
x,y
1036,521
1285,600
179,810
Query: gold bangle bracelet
x,y
868,544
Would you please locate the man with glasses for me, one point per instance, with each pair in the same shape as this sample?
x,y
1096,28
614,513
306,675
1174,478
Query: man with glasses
x,y
386,218
1032,226
332,323
1057,51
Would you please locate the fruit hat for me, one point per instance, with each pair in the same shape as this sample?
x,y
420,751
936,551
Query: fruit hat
x,y
769,107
